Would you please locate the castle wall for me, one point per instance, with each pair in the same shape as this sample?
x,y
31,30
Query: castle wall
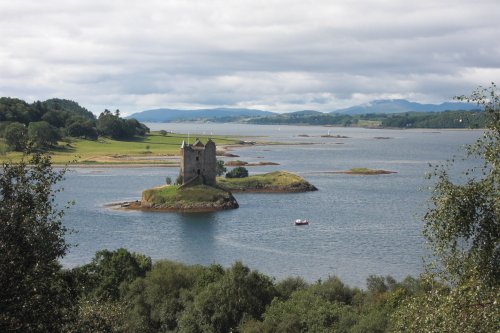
x,y
210,163
198,160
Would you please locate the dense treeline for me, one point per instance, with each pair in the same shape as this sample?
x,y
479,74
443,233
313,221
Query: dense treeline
x,y
120,291
45,123
123,291
446,119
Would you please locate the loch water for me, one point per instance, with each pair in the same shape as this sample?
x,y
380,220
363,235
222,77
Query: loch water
x,y
359,225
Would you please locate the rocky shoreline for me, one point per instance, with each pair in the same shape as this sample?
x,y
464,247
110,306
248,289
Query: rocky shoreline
x,y
177,207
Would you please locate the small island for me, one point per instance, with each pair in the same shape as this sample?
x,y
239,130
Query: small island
x,y
365,171
198,189
198,198
274,182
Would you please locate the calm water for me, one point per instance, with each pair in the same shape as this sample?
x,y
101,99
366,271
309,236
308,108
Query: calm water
x,y
360,225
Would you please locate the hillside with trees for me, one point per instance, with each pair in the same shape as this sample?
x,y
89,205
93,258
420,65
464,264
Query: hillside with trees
x,y
43,124
445,119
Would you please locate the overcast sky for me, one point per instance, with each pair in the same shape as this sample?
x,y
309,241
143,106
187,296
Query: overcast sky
x,y
276,55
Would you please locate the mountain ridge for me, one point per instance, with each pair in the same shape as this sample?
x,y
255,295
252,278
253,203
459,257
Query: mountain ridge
x,y
388,106
169,115
403,105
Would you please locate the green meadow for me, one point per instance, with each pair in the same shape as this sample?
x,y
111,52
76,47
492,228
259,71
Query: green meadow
x,y
141,150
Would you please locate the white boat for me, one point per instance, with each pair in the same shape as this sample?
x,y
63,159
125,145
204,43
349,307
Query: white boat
x,y
301,222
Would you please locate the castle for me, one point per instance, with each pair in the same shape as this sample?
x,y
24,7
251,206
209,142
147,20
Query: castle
x,y
198,163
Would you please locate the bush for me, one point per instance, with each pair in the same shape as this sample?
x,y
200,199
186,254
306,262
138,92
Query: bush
x,y
239,172
220,168
15,136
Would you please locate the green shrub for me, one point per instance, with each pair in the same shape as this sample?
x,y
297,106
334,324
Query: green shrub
x,y
239,172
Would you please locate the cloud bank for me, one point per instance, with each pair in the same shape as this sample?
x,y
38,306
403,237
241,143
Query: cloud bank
x,y
275,55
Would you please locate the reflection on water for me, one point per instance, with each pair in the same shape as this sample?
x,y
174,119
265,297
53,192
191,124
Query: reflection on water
x,y
360,225
197,235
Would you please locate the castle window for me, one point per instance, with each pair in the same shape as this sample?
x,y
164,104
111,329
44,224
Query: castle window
x,y
197,158
198,171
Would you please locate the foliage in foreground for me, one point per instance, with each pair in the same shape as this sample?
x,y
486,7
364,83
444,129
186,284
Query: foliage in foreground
x,y
34,293
174,297
462,227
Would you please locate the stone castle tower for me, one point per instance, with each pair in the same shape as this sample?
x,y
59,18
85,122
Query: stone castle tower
x,y
198,163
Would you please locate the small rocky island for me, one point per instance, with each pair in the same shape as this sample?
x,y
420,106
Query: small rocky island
x,y
275,182
197,198
199,190
365,171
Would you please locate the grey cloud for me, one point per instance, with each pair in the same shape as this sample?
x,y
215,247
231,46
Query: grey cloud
x,y
282,55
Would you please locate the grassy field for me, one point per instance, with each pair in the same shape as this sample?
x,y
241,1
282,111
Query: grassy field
x,y
150,149
369,123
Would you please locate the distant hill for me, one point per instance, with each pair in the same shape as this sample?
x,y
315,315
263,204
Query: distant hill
x,y
386,106
402,105
305,113
170,115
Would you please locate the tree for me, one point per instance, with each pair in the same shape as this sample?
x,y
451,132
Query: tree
x,y
111,125
304,311
240,294
34,293
109,269
16,136
14,109
463,229
220,169
82,129
463,223
156,300
56,118
239,172
42,134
